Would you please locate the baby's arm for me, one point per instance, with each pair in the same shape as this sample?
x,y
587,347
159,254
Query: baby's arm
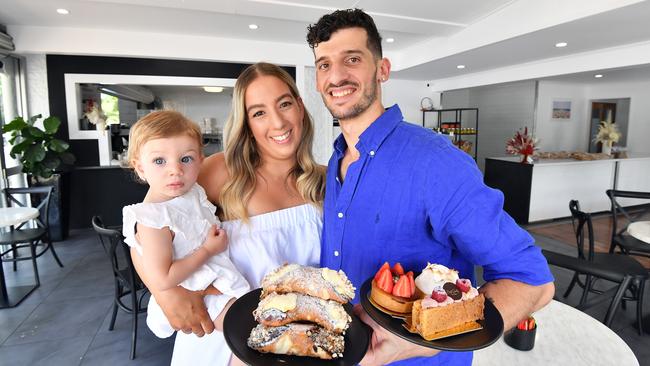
x,y
165,273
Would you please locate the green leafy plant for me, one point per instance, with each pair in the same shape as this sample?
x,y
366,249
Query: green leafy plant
x,y
39,152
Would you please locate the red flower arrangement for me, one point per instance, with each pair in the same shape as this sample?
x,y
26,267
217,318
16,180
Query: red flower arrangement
x,y
522,144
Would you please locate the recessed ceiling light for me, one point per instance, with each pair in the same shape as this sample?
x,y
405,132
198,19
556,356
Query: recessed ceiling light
x,y
63,11
253,26
598,76
561,44
390,40
460,66
213,89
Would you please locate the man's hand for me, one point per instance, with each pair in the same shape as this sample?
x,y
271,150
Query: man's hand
x,y
386,347
185,310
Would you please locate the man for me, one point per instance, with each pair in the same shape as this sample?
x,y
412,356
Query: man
x,y
399,193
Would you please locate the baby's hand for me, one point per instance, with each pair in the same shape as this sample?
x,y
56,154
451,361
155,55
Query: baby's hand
x,y
216,241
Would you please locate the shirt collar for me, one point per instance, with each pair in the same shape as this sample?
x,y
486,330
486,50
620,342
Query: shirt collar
x,y
375,134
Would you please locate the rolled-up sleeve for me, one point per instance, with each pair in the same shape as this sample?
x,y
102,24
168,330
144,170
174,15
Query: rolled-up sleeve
x,y
469,216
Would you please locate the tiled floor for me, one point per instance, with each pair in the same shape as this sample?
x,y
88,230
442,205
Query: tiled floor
x,y
65,321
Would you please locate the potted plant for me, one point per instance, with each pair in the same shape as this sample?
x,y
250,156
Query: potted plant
x,y
43,158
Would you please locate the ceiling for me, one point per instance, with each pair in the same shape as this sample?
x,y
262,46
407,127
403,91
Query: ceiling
x,y
407,21
412,23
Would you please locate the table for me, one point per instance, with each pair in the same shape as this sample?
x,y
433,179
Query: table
x,y
11,296
565,336
640,230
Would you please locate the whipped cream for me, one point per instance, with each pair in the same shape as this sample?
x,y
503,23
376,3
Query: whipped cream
x,y
435,275
428,302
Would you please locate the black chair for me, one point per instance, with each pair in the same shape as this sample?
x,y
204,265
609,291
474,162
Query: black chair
x,y
622,269
127,282
622,217
22,237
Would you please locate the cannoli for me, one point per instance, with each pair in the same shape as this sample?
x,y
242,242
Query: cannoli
x,y
297,339
280,309
323,283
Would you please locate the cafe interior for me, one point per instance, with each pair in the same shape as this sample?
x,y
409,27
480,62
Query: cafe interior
x,y
551,99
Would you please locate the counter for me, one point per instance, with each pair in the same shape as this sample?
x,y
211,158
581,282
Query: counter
x,y
542,191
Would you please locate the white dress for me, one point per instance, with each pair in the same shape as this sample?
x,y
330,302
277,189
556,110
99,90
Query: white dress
x,y
290,235
189,217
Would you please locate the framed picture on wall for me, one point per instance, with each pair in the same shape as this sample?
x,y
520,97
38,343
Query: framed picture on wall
x,y
561,110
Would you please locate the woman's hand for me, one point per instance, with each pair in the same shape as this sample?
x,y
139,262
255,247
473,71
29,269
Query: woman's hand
x,y
185,310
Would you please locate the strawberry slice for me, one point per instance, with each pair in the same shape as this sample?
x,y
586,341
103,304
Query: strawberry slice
x,y
439,294
385,281
402,287
398,269
384,266
411,282
463,284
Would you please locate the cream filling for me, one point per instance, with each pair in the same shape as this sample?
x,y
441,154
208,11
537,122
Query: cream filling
x,y
283,303
428,302
339,282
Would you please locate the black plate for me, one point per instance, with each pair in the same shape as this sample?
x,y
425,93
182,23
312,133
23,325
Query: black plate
x,y
492,327
239,322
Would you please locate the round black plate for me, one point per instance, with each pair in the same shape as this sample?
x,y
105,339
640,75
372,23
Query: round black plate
x,y
239,322
492,327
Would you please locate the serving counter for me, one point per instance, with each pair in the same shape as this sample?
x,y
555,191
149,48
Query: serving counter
x,y
542,190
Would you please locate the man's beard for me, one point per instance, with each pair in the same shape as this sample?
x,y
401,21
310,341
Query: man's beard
x,y
369,97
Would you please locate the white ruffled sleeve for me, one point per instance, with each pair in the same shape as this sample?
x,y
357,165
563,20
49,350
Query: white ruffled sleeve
x,y
145,214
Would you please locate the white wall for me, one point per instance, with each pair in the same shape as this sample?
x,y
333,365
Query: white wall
x,y
407,94
574,134
560,134
639,118
323,128
503,109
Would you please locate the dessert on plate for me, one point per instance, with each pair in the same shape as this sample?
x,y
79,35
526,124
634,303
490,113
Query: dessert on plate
x,y
394,290
451,305
301,312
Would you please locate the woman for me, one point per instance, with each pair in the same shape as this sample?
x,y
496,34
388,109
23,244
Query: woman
x,y
269,190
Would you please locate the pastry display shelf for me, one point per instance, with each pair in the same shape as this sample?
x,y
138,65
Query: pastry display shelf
x,y
446,121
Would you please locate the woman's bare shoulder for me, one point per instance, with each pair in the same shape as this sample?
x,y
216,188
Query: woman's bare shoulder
x,y
213,176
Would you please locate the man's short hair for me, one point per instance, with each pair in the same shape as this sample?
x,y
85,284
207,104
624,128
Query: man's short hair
x,y
343,19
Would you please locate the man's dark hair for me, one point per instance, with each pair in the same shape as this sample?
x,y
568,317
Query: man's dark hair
x,y
343,19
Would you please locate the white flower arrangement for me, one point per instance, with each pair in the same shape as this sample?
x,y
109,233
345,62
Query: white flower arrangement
x,y
608,133
95,115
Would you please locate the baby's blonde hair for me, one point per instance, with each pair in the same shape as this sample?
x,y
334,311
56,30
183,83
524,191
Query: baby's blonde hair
x,y
157,125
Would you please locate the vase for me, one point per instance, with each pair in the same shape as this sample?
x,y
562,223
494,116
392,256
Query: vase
x,y
525,159
607,148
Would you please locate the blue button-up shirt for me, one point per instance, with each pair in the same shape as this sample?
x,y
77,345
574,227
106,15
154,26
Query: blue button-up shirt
x,y
412,197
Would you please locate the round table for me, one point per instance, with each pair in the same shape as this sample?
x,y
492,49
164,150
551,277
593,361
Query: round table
x,y
640,230
565,336
11,296
10,216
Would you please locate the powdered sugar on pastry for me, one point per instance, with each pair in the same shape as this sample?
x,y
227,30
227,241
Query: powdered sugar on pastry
x,y
324,283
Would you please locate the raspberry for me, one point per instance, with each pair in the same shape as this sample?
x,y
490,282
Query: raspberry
x,y
463,284
439,294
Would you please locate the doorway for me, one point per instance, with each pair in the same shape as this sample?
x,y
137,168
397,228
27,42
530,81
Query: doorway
x,y
612,110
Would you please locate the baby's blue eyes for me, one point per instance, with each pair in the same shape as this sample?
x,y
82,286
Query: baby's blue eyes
x,y
184,160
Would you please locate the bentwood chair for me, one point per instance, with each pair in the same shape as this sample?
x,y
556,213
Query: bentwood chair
x,y
127,282
618,268
623,216
21,236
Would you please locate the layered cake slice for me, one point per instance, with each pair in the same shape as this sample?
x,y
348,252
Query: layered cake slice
x,y
452,305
